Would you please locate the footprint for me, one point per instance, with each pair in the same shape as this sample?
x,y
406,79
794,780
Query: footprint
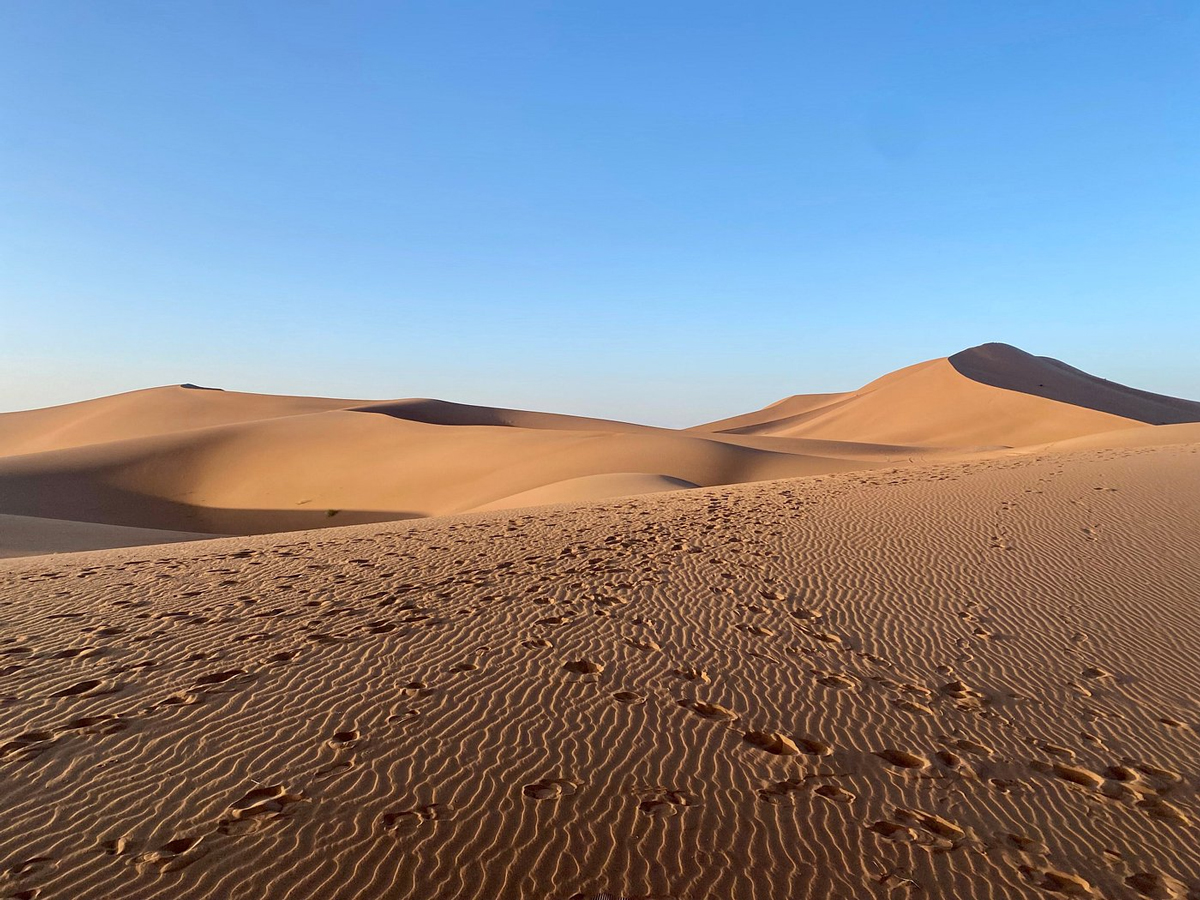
x,y
28,867
709,710
30,740
827,637
1075,775
1158,808
911,706
665,804
77,653
583,667
935,825
837,681
102,723
270,800
643,644
781,791
181,699
903,759
835,793
974,747
772,742
691,673
757,630
926,830
345,740
1025,844
807,614
549,789
1156,886
410,819
628,697
89,688
891,831
967,698
116,846
1057,882
174,854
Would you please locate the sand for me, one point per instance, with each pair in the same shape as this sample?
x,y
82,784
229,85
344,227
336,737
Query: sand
x,y
993,395
972,674
969,680
202,461
32,536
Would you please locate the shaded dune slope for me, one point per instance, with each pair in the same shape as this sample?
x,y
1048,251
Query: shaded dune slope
x,y
291,472
971,680
1006,367
31,535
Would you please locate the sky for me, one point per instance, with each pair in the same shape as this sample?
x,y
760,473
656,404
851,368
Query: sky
x,y
665,212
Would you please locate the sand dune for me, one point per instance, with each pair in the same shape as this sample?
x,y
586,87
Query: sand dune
x,y
590,487
32,536
989,396
343,467
961,679
194,460
143,414
1002,366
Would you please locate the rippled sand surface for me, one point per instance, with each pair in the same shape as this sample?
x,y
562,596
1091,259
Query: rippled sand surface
x,y
965,680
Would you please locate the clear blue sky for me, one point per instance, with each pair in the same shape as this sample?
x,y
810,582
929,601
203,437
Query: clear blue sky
x,y
660,211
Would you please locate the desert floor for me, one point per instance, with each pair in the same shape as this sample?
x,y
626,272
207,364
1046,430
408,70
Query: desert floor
x,y
967,679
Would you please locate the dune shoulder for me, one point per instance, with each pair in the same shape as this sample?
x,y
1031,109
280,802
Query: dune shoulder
x,y
35,536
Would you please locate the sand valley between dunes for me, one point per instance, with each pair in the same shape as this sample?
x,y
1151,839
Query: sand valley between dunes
x,y
821,653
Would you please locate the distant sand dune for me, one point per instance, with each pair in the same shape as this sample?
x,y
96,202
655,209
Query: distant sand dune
x,y
989,396
1002,366
186,459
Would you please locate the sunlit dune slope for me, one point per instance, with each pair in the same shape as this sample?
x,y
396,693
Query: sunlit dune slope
x,y
989,396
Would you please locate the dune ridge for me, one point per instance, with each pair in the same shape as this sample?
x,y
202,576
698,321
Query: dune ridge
x,y
993,395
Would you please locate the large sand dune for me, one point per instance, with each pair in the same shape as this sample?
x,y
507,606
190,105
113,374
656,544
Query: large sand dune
x,y
949,680
194,460
993,395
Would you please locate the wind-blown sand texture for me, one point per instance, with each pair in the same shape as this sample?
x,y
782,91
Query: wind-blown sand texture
x,y
959,680
969,673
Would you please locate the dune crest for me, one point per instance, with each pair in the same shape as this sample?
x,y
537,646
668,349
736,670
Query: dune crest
x,y
993,395
1006,367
